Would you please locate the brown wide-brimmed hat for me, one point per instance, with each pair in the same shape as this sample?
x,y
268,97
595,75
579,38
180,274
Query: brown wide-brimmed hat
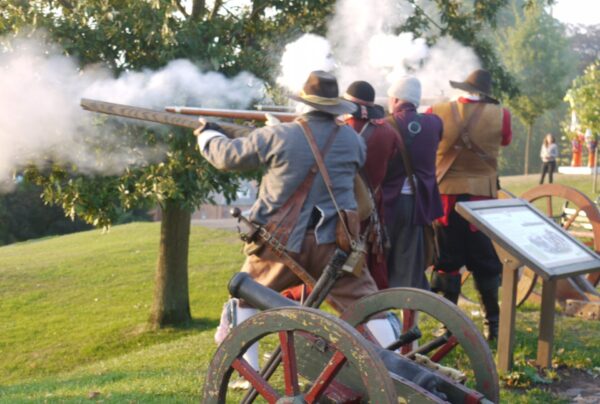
x,y
321,92
480,81
362,94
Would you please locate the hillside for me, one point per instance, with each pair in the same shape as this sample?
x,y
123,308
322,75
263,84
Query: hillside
x,y
74,310
73,301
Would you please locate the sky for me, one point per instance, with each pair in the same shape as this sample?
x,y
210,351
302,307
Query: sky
x,y
577,11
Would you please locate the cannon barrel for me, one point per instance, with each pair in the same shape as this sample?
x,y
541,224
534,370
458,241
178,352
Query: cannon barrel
x,y
244,287
258,296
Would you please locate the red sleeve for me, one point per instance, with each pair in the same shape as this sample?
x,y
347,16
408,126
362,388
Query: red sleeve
x,y
429,110
380,149
506,128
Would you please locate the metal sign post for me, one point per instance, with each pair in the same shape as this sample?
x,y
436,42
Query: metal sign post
x,y
525,236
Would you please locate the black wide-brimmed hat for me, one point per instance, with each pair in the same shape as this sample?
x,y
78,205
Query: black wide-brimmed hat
x,y
322,93
362,94
480,81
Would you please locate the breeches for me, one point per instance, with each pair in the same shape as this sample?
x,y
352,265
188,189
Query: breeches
x,y
459,245
406,262
268,270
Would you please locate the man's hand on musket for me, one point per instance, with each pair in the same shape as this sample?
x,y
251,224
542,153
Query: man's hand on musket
x,y
201,126
271,120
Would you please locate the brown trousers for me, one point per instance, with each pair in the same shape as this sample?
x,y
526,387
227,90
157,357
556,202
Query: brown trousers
x,y
269,271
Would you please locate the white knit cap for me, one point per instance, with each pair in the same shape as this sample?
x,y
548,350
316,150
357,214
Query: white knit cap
x,y
407,88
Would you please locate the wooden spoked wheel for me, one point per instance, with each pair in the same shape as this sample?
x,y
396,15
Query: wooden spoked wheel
x,y
568,207
435,312
315,347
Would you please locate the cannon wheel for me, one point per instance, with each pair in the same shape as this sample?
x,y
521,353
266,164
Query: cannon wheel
x,y
347,345
461,327
578,286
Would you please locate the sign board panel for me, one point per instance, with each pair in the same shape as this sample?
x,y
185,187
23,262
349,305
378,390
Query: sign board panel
x,y
531,237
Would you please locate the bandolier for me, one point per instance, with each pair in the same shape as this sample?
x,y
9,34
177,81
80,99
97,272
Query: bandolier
x,y
470,173
475,126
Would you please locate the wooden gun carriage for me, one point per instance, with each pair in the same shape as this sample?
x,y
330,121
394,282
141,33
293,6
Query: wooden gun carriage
x,y
323,358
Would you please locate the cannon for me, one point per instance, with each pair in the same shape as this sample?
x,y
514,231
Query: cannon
x,y
318,357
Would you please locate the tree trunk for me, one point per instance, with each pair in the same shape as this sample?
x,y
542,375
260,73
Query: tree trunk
x,y
527,142
171,304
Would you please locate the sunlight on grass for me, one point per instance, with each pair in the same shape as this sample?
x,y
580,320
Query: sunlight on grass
x,y
75,309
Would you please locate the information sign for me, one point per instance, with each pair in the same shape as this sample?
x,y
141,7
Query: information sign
x,y
531,237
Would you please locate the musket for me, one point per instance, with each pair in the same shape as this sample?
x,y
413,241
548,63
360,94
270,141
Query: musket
x,y
144,114
274,108
244,114
150,115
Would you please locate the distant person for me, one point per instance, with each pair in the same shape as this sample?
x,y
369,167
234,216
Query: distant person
x,y
475,126
548,154
576,149
591,144
410,191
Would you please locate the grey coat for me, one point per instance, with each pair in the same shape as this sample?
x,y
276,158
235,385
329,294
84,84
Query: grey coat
x,y
284,151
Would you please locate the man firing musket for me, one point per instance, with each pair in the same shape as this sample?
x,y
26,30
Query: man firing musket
x,y
306,215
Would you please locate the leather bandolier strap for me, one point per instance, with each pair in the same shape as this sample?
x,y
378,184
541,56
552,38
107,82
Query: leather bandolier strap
x,y
430,242
410,174
463,142
277,231
310,137
283,221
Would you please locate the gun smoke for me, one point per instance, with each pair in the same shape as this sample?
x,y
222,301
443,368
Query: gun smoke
x,y
42,122
362,45
40,88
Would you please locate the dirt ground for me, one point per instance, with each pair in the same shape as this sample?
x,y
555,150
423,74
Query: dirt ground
x,y
577,386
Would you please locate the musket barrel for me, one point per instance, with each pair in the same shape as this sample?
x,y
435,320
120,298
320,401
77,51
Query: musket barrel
x,y
232,113
143,114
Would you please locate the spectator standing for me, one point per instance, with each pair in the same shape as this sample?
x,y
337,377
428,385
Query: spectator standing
x,y
548,154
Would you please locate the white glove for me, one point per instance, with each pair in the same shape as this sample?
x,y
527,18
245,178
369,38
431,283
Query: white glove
x,y
271,120
201,125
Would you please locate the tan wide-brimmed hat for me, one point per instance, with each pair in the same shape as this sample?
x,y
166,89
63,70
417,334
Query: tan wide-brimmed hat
x,y
479,81
322,93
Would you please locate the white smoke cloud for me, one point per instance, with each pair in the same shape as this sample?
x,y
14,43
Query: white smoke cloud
x,y
180,81
42,121
296,64
364,46
447,60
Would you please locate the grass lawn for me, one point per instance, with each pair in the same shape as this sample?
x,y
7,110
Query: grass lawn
x,y
74,311
520,183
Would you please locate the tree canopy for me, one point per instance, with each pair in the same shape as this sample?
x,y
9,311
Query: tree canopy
x,y
223,36
584,98
535,51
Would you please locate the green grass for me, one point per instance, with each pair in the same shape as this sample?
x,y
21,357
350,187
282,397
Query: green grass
x,y
521,183
74,310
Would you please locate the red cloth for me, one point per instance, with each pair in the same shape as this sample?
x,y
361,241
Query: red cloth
x,y
382,147
449,202
296,292
506,120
